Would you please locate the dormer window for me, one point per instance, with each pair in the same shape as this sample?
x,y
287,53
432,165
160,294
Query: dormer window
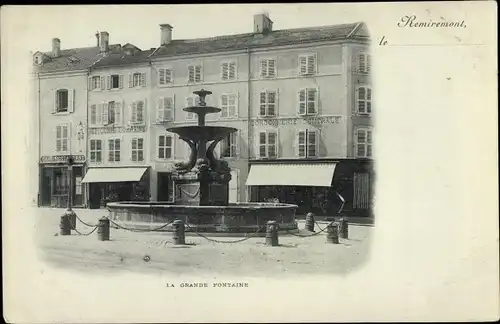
x,y
38,59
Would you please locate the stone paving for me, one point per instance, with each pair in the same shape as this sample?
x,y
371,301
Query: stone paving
x,y
154,251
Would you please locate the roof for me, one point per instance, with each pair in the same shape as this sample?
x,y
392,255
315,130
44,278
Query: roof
x,y
120,58
73,59
355,31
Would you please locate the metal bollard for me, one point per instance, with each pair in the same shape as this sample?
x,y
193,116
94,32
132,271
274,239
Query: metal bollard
x,y
272,233
332,233
103,229
179,235
344,228
310,222
65,225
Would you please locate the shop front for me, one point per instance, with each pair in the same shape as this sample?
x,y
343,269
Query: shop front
x,y
55,181
327,188
116,184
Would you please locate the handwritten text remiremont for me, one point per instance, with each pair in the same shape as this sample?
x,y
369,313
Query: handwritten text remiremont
x,y
412,21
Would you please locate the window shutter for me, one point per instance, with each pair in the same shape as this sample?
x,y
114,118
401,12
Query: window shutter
x,y
236,104
71,100
90,83
311,64
190,73
362,63
130,80
120,81
263,68
361,102
160,109
108,81
56,101
169,75
303,64
261,144
368,63
369,100
143,79
144,110
168,108
118,113
93,114
316,101
58,135
263,101
232,70
302,102
301,144
103,83
276,102
69,137
224,71
237,139
98,114
133,112
105,113
272,68
161,76
317,134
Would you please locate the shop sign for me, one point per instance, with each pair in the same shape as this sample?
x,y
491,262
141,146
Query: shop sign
x,y
296,121
62,159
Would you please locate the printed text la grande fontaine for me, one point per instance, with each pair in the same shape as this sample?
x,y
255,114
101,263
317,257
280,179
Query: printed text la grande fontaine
x,y
215,284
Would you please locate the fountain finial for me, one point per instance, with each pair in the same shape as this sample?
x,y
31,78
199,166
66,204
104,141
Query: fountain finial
x,y
202,94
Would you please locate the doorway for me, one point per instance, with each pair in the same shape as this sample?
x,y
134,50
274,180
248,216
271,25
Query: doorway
x,y
165,186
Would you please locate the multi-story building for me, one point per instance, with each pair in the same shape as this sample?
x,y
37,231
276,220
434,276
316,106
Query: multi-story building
x,y
60,89
300,98
119,105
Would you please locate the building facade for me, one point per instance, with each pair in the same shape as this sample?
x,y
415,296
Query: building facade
x,y
300,99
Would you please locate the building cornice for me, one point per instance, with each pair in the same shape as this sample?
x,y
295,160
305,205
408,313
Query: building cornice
x,y
49,74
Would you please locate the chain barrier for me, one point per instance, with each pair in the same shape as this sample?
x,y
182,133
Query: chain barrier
x,y
190,195
140,229
313,234
220,241
83,234
86,224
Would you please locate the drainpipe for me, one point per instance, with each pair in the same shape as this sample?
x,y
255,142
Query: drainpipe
x,y
38,198
249,111
87,142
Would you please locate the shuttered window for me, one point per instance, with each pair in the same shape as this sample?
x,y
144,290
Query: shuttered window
x,y
165,146
165,109
308,102
364,63
268,145
307,143
364,142
364,100
62,138
268,103
228,70
137,149
95,151
114,150
229,105
164,76
307,64
267,68
195,73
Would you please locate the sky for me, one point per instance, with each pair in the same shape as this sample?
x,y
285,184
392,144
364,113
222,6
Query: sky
x,y
76,26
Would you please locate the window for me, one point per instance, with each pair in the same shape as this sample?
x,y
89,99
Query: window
x,y
115,81
61,181
268,145
364,100
308,101
192,101
62,100
137,80
137,149
137,110
93,114
62,138
307,143
165,147
95,82
111,113
267,103
229,105
364,63
364,142
114,150
95,151
165,109
267,68
229,145
228,70
307,64
194,73
164,76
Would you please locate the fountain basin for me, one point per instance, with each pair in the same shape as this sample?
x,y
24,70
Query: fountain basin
x,y
233,218
207,133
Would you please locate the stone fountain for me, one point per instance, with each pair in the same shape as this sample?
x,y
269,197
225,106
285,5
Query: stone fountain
x,y
201,189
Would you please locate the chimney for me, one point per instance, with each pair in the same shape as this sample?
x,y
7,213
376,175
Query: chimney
x,y
97,37
104,41
262,23
166,34
56,47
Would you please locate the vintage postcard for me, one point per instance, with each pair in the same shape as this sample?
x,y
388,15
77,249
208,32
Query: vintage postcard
x,y
250,163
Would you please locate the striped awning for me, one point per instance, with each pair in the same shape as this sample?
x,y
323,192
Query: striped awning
x,y
290,174
114,174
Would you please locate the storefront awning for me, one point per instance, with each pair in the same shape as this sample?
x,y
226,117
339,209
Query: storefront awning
x,y
315,174
114,174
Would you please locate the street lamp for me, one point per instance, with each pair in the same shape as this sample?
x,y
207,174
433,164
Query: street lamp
x,y
69,211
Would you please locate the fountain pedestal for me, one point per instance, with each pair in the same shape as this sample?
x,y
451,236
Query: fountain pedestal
x,y
201,188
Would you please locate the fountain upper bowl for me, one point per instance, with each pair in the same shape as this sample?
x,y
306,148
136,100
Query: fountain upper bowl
x,y
207,133
202,109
